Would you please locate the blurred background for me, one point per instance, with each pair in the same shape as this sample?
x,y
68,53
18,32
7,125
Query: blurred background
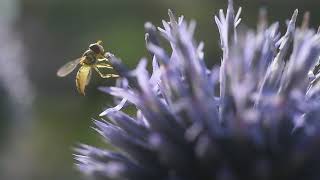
x,y
42,117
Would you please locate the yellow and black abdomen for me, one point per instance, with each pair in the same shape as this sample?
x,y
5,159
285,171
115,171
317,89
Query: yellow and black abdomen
x,y
83,78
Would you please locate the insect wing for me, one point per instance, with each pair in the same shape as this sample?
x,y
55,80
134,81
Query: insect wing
x,y
68,68
82,79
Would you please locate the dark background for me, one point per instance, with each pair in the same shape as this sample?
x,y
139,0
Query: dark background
x,y
37,135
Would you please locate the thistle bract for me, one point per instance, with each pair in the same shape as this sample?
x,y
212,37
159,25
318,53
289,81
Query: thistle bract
x,y
253,117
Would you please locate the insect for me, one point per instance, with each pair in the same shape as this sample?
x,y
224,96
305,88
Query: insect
x,y
92,59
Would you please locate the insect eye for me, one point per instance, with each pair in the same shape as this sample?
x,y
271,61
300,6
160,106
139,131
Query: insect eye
x,y
96,48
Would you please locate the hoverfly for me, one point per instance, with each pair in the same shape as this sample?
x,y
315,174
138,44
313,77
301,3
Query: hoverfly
x,y
93,58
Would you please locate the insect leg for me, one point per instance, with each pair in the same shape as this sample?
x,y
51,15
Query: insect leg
x,y
103,59
105,75
104,65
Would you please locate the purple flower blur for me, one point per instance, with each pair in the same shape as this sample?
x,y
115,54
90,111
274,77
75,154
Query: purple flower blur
x,y
254,117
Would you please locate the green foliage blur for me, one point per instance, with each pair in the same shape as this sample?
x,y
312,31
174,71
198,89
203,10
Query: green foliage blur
x,y
57,31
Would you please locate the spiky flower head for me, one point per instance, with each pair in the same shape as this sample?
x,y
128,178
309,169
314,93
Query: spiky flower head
x,y
254,117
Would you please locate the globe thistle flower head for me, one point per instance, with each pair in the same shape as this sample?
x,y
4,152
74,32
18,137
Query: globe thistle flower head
x,y
253,117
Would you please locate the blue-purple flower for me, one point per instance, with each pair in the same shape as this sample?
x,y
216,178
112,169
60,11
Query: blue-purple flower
x,y
254,117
